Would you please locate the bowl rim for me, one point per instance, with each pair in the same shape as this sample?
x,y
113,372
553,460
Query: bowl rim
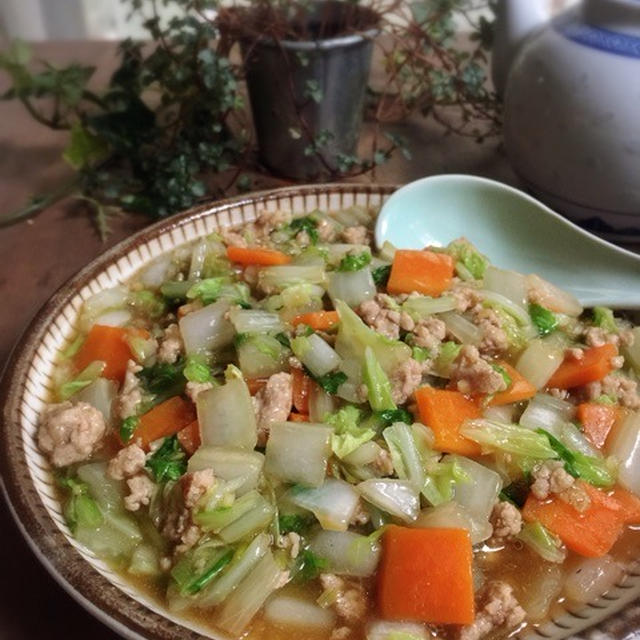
x,y
64,563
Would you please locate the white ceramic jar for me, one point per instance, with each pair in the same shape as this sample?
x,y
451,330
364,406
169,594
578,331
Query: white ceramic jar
x,y
572,108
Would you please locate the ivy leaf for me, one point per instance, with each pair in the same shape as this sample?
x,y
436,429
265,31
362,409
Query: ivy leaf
x,y
84,148
313,90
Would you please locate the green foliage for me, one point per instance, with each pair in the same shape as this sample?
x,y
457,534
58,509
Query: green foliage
x,y
172,115
169,462
381,275
354,262
128,427
294,522
164,379
309,566
329,381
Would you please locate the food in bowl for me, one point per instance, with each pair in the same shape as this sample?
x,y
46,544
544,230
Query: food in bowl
x,y
276,430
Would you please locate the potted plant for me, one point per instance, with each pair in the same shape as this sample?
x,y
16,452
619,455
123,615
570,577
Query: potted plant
x,y
170,127
307,70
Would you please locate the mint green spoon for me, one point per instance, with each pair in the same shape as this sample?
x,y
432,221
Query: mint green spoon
x,y
515,231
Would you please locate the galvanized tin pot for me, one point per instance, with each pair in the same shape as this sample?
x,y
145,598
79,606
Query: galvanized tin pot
x,y
299,90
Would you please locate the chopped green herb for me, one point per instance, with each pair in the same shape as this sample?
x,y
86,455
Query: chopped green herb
x,y
606,399
516,492
169,462
329,381
293,522
128,427
603,318
309,566
354,262
395,415
381,275
308,224
283,339
544,320
241,338
196,370
164,379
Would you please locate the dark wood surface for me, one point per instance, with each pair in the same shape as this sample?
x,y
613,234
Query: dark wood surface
x,y
39,255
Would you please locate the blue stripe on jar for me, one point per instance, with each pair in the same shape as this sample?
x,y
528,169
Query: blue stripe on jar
x,y
597,38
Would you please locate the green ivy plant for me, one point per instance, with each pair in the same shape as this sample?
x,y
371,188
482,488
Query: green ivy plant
x,y
170,128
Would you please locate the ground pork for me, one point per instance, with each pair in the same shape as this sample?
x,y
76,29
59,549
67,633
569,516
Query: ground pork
x,y
128,462
471,374
233,238
194,389
130,395
466,298
356,235
429,333
291,542
616,385
597,336
497,607
268,221
550,477
506,520
195,485
326,230
273,403
141,489
171,346
383,465
351,602
70,432
378,315
561,394
405,379
494,339
178,525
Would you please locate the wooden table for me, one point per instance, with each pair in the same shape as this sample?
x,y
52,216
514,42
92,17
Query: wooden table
x,y
40,255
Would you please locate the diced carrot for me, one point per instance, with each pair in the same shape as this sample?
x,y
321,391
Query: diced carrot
x,y
426,272
318,320
298,417
255,384
164,420
590,533
425,576
110,345
257,255
594,365
629,505
519,389
189,437
597,420
444,411
301,389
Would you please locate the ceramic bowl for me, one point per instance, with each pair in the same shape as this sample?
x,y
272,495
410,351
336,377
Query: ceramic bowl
x,y
27,479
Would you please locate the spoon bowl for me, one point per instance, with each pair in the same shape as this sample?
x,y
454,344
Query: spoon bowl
x,y
515,231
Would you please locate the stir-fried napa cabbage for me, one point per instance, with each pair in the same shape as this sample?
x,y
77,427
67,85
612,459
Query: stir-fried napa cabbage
x,y
280,424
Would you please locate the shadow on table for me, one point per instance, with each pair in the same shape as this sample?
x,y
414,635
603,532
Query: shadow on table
x,y
32,605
